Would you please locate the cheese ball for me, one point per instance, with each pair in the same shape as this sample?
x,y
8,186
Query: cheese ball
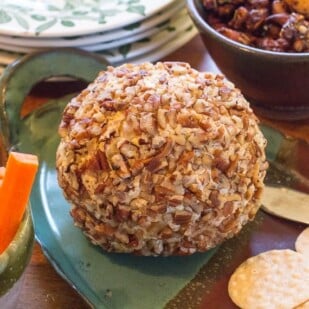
x,y
160,159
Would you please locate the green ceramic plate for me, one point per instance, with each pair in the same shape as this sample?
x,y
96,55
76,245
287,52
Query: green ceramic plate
x,y
112,280
104,280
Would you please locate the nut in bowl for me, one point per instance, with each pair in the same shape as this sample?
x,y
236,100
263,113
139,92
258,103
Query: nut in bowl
x,y
274,80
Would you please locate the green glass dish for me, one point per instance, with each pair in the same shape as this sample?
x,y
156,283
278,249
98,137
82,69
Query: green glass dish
x,y
107,280
14,260
133,281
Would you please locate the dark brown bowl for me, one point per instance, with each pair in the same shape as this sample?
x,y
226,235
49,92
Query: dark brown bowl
x,y
275,83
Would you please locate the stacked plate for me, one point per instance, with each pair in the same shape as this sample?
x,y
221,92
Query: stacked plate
x,y
120,30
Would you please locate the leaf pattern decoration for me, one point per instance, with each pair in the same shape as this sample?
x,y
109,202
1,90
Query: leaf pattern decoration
x,y
132,26
45,26
4,17
21,21
69,6
128,1
80,13
102,19
139,9
67,23
18,8
53,8
38,17
124,49
109,12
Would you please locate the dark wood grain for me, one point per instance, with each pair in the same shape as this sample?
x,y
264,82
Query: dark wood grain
x,y
44,288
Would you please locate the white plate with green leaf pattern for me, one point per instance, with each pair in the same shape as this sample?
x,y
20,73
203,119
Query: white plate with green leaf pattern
x,y
167,25
63,18
127,52
134,45
149,50
126,32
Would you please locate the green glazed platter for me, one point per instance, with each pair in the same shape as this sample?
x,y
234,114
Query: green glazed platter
x,y
105,280
132,281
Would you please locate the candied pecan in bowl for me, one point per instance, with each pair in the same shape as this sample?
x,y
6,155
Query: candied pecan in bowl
x,y
160,159
274,25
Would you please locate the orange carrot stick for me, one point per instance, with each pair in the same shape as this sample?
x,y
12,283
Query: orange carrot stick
x,y
14,194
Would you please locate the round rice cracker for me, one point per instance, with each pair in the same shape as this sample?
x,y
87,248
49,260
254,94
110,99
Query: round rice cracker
x,y
302,242
276,279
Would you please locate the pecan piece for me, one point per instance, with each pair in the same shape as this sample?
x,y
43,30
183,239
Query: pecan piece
x,y
166,233
112,105
214,198
182,217
122,213
159,208
128,150
188,120
102,160
175,200
156,164
120,166
104,229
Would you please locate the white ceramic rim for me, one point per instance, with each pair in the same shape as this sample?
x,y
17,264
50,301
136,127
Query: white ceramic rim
x,y
180,22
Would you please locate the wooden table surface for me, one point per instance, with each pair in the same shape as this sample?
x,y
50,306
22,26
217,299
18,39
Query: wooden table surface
x,y
42,286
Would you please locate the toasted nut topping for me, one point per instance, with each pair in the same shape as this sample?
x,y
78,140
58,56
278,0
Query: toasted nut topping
x,y
160,159
182,217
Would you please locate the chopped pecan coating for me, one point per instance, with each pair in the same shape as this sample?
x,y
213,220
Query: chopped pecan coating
x,y
160,159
